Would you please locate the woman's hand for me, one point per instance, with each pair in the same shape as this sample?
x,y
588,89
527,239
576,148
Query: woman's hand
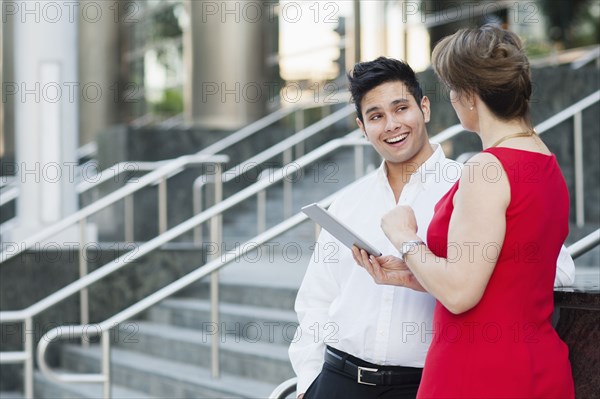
x,y
386,270
399,225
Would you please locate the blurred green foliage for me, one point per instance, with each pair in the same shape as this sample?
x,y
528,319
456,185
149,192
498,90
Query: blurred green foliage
x,y
170,104
572,23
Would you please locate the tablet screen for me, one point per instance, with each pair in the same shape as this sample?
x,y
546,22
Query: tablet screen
x,y
338,229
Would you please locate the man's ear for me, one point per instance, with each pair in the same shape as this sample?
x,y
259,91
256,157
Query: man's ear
x,y
425,108
362,127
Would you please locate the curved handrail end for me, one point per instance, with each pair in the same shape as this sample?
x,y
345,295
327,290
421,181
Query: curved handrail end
x,y
284,389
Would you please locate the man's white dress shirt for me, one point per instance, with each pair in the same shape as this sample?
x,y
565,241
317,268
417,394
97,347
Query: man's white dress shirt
x,y
340,305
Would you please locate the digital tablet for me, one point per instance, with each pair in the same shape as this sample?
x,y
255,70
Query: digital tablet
x,y
338,229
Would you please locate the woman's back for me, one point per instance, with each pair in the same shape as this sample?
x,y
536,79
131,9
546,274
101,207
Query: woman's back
x,y
505,346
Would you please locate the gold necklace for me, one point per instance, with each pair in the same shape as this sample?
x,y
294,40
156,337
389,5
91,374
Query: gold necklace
x,y
528,133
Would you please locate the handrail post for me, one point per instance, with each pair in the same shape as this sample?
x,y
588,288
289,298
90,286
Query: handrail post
x,y
28,375
162,205
359,161
299,120
106,364
84,302
579,183
287,186
299,149
325,111
299,125
216,238
197,199
261,211
129,218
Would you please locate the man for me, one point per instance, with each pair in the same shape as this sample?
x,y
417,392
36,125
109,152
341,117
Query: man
x,y
357,339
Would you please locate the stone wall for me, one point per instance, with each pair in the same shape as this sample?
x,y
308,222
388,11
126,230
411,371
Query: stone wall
x,y
33,275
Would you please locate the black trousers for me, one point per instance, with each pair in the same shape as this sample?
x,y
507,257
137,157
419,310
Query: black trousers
x,y
332,383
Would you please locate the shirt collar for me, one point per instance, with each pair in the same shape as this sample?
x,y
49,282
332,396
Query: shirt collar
x,y
425,173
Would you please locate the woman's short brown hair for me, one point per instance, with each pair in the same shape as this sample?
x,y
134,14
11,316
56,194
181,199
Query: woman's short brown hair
x,y
490,62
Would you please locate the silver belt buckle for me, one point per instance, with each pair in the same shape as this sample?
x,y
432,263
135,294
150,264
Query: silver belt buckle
x,y
359,376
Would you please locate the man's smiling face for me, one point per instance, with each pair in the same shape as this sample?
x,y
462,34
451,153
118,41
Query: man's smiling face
x,y
395,124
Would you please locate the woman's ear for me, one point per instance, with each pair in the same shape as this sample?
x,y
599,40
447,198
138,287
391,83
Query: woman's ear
x,y
471,100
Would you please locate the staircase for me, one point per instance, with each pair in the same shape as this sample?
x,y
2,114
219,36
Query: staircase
x,y
167,353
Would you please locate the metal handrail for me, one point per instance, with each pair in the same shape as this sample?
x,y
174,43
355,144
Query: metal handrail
x,y
585,244
9,194
590,55
6,181
13,192
568,112
288,143
87,150
576,249
104,327
284,389
163,172
245,132
114,171
284,147
140,166
447,134
212,149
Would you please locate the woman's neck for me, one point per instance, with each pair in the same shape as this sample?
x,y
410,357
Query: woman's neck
x,y
493,130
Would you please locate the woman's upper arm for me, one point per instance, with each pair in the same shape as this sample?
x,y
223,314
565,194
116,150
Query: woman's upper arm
x,y
477,227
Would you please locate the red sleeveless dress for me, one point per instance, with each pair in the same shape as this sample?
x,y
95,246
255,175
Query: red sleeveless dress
x,y
506,347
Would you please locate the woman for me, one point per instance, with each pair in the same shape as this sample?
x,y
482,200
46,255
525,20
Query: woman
x,y
494,239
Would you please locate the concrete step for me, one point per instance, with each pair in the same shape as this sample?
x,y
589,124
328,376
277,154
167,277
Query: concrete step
x,y
239,356
250,323
244,226
285,269
45,388
11,395
261,295
164,378
279,263
318,181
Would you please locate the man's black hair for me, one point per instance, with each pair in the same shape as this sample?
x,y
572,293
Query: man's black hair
x,y
365,76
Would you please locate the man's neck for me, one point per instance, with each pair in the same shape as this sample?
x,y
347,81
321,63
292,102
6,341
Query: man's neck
x,y
399,174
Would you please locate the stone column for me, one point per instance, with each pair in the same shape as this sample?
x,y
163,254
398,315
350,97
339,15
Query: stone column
x,y
225,59
98,67
46,94
373,29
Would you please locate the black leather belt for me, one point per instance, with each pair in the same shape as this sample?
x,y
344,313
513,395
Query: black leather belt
x,y
374,376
